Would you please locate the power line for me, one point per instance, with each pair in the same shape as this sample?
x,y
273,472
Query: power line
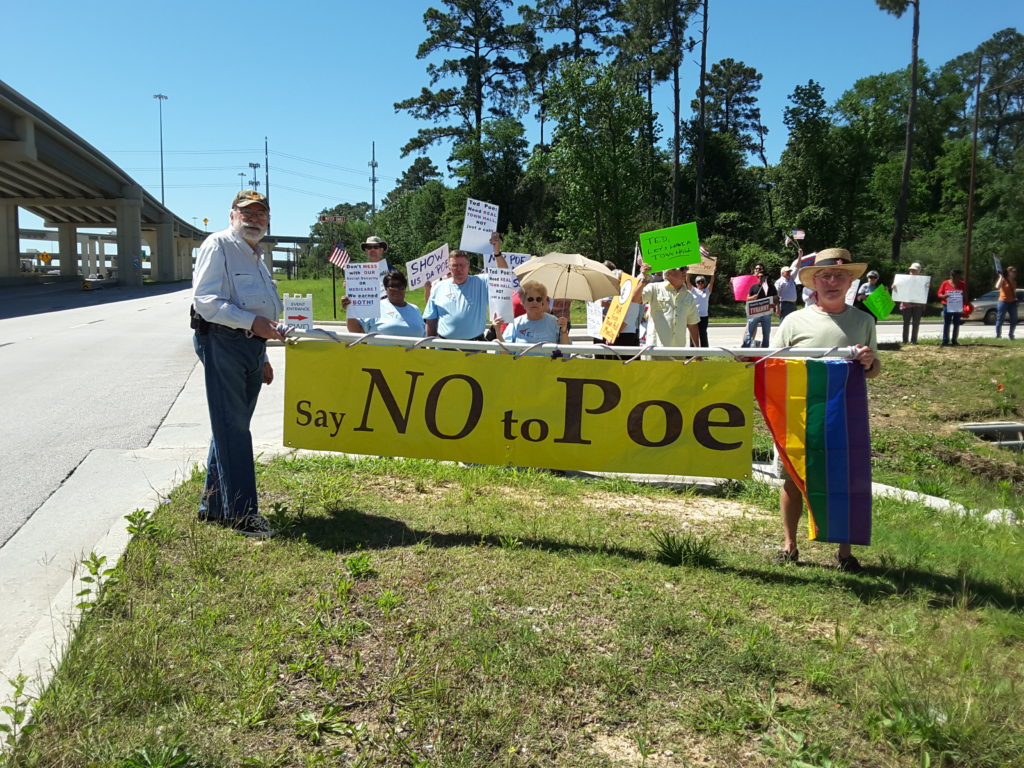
x,y
327,165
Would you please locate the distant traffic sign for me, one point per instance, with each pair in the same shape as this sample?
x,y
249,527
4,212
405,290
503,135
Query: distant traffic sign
x,y
337,219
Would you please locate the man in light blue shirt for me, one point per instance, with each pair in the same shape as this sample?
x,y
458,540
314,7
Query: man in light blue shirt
x,y
457,307
236,309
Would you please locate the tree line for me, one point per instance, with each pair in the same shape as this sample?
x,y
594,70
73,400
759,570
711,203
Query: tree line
x,y
884,169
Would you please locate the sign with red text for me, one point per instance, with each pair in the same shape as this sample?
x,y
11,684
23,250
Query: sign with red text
x,y
480,223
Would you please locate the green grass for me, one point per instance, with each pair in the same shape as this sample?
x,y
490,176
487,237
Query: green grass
x,y
413,613
417,613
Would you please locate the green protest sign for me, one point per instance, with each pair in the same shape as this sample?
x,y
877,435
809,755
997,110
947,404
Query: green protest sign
x,y
880,302
671,247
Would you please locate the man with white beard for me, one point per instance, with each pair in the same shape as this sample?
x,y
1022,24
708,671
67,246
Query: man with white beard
x,y
235,310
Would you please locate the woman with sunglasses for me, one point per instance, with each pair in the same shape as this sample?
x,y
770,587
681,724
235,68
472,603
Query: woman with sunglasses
x,y
537,324
397,316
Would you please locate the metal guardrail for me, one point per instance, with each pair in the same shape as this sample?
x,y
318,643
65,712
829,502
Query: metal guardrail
x,y
545,349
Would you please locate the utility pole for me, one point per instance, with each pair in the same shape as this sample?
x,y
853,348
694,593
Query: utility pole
x,y
160,99
254,166
241,180
373,180
266,174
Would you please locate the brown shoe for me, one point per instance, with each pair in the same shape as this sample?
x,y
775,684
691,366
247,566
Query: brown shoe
x,y
786,556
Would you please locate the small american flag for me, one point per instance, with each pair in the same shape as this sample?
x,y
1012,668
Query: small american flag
x,y
339,256
798,234
704,252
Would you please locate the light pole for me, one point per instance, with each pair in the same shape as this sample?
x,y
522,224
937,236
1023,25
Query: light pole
x,y
241,180
254,166
160,98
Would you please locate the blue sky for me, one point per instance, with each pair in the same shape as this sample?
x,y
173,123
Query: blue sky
x,y
319,80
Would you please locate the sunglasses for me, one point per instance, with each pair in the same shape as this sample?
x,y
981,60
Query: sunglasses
x,y
532,299
395,287
373,247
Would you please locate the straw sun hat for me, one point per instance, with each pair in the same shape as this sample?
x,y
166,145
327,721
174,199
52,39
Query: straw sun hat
x,y
831,258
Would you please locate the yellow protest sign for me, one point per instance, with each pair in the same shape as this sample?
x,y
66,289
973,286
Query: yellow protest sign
x,y
617,309
647,416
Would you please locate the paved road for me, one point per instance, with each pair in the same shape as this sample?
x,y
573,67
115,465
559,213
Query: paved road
x,y
82,371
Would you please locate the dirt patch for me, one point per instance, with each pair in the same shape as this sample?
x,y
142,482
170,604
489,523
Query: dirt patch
x,y
686,509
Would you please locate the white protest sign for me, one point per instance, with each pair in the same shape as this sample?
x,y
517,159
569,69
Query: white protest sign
x,y
911,288
851,295
362,284
595,318
480,223
298,310
756,307
499,292
955,302
427,269
512,259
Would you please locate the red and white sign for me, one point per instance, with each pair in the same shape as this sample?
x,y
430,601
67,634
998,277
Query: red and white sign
x,y
763,306
334,219
298,310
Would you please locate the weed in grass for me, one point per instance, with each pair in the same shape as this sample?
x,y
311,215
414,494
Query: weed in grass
x,y
510,543
141,523
312,726
166,756
96,581
388,602
17,712
798,750
932,486
360,565
282,519
685,549
759,653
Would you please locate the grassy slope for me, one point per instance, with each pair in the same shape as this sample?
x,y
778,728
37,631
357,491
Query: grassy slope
x,y
425,614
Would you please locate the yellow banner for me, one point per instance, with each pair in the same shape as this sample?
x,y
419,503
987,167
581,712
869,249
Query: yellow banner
x,y
600,415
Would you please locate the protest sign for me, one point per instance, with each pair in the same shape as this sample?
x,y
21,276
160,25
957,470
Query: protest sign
x,y
512,259
911,288
851,295
618,308
676,246
480,223
427,269
756,307
707,266
955,302
998,264
741,285
499,293
584,414
595,318
362,284
879,302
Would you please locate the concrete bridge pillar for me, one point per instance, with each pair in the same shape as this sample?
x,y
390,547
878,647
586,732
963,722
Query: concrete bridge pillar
x,y
67,247
162,257
268,256
10,247
129,237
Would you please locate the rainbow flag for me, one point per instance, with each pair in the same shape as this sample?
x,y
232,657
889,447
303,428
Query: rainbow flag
x,y
817,412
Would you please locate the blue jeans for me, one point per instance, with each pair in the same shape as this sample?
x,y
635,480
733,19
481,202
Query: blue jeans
x,y
764,322
233,366
950,319
785,308
1004,308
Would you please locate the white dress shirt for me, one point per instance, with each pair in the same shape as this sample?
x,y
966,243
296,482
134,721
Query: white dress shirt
x,y
231,285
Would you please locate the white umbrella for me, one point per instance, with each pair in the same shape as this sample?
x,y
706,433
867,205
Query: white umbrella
x,y
570,276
